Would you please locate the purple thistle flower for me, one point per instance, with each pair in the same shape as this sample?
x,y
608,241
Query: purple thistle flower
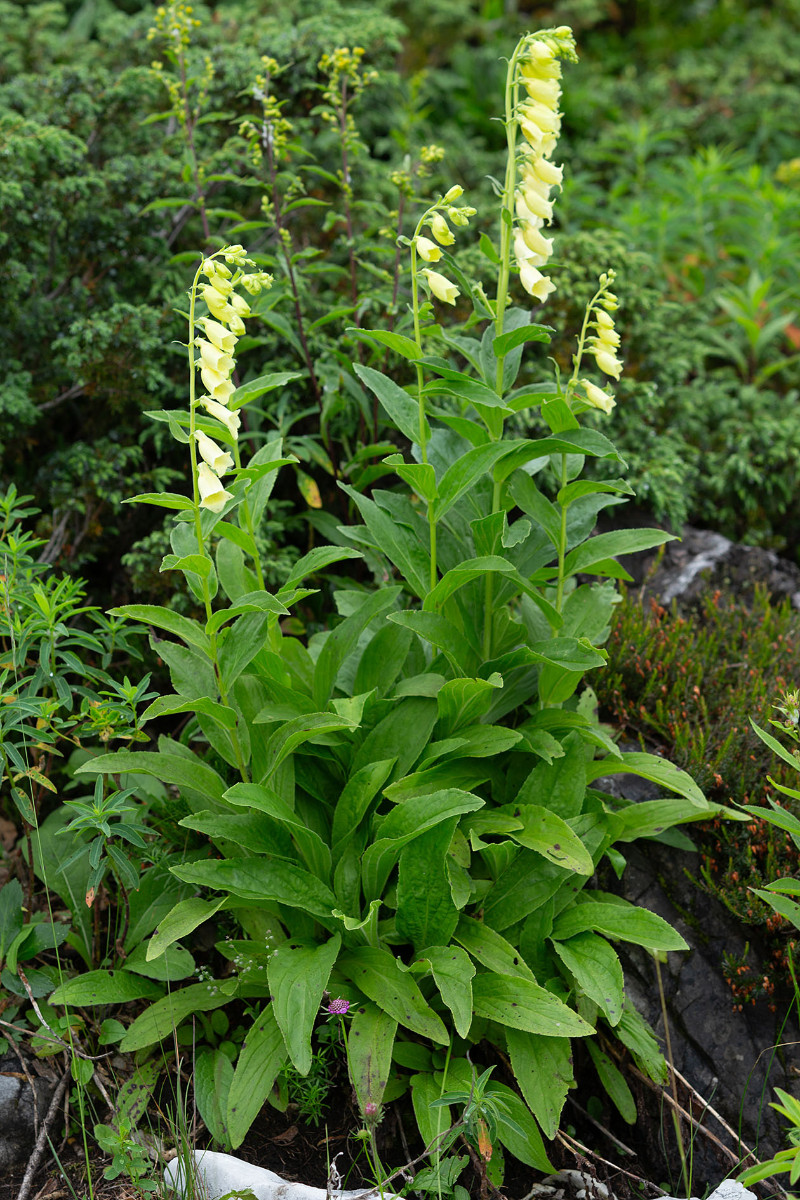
x,y
339,1007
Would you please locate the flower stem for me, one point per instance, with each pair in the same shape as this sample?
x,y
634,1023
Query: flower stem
x,y
423,440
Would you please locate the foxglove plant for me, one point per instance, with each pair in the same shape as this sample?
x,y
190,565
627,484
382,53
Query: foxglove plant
x,y
402,804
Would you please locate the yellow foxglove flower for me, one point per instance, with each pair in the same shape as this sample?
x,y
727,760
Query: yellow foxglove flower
x,y
239,305
217,303
228,417
214,358
218,335
219,385
427,249
535,284
608,362
534,239
441,230
234,321
441,287
536,204
218,459
212,493
596,396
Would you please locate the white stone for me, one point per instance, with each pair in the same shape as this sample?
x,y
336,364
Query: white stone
x,y
222,1173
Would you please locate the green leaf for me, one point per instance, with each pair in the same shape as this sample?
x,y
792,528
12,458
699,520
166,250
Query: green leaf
x,y
491,949
161,500
618,919
317,560
522,1004
313,850
437,630
597,971
464,474
608,545
200,564
262,1055
648,766
168,705
776,746
463,573
542,1067
169,768
453,973
404,346
431,1122
399,545
213,1075
370,1043
184,628
378,975
526,333
264,879
159,1021
249,602
298,974
105,987
400,407
184,918
175,964
613,1083
253,388
524,1141
781,904
634,1032
342,641
426,914
359,792
550,836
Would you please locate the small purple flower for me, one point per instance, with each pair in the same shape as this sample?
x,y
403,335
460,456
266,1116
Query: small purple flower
x,y
370,1111
339,1007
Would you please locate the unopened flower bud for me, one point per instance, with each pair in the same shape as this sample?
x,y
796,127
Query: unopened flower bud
x,y
453,194
441,230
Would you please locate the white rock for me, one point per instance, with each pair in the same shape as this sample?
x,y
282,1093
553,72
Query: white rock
x,y
729,1189
222,1173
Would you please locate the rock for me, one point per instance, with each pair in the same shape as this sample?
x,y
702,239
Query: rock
x,y
703,560
17,1126
223,1173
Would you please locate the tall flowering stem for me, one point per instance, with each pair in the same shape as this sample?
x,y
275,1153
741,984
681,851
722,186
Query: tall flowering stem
x,y
442,289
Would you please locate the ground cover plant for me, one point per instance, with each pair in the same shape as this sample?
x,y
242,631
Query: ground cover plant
x,y
398,818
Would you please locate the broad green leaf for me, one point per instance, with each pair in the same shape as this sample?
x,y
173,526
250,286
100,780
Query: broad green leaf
x,y
522,1004
561,784
169,768
312,849
342,641
315,561
463,701
285,740
437,630
597,971
526,885
402,345
298,974
168,705
11,913
781,904
526,333
609,545
399,545
264,879
200,564
464,474
105,987
161,1018
359,792
620,919
246,602
261,1057
161,500
405,822
426,914
491,949
453,973
157,894
174,964
382,660
775,746
400,407
524,1142
242,643
420,477
431,1122
402,735
545,832
187,630
613,1083
463,573
213,1075
378,975
649,818
370,1042
634,1032
247,392
184,918
543,1070
649,766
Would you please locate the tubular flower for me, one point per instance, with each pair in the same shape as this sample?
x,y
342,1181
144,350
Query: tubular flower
x,y
427,249
605,343
441,286
218,384
218,335
212,357
212,493
228,417
218,459
596,396
539,74
441,230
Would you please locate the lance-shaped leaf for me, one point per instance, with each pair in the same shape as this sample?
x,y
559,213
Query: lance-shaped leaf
x,y
522,1004
261,1057
298,974
370,1043
378,975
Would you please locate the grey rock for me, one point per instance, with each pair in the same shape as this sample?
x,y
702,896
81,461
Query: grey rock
x,y
224,1173
17,1125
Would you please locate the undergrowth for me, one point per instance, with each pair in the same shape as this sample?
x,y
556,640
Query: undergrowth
x,y
689,681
